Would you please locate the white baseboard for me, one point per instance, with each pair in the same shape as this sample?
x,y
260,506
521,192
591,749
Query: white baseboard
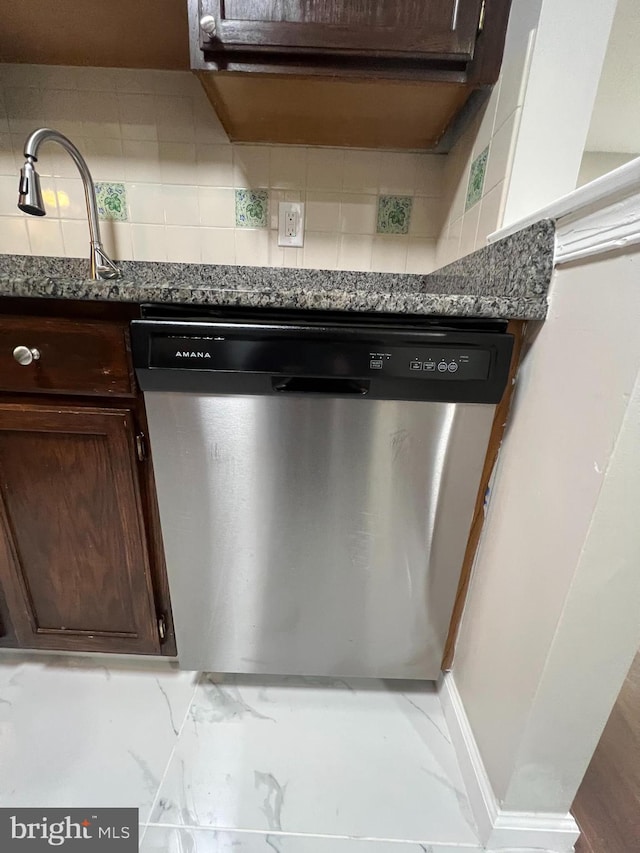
x,y
499,830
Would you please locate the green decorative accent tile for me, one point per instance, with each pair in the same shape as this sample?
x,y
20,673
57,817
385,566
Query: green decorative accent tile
x,y
252,208
394,214
476,178
112,201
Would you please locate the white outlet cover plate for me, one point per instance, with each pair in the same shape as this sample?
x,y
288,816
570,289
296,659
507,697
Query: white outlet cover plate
x,y
291,223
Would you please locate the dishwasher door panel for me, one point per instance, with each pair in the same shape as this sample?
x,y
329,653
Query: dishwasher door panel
x,y
314,536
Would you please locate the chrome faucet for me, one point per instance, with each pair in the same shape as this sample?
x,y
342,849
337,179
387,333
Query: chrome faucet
x,y
30,196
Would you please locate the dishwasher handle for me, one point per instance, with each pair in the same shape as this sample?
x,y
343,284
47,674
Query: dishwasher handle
x,y
328,385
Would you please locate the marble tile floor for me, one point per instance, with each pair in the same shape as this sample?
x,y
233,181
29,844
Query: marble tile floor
x,y
234,763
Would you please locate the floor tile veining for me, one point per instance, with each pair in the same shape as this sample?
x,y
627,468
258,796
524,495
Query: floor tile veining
x,y
242,763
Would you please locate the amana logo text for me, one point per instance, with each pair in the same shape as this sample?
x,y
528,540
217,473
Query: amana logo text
x,y
186,354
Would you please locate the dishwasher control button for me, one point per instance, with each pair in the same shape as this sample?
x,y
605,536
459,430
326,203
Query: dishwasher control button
x,y
430,365
416,365
375,364
442,366
452,367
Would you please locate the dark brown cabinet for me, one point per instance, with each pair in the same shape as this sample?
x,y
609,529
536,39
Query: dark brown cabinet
x,y
73,557
378,74
81,559
384,29
7,636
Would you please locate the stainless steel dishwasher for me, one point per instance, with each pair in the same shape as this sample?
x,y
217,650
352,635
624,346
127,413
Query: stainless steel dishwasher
x,y
316,479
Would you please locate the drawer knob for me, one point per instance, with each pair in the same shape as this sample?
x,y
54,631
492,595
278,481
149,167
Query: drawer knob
x,y
208,25
25,355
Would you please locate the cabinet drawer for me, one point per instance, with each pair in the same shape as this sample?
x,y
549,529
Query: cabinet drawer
x,y
67,357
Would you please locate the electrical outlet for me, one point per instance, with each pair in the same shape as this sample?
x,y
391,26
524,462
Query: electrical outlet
x,y
290,223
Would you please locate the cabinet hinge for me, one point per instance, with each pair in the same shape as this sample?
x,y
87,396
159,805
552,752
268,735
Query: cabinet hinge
x,y
481,21
141,446
162,626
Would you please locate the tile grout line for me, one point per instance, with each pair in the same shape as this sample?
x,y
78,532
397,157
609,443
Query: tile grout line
x,y
170,758
467,845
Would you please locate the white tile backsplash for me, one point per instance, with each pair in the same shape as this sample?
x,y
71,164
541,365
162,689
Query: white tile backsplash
x,y
145,203
496,128
149,242
398,173
180,205
45,236
218,245
358,214
362,171
389,252
156,132
117,239
100,115
288,169
217,206
174,119
323,211
325,168
491,209
487,123
141,161
75,236
355,252
320,250
252,246
426,217
501,151
421,256
177,162
8,188
14,238
214,165
138,117
469,230
250,166
25,110
183,244
105,155
69,194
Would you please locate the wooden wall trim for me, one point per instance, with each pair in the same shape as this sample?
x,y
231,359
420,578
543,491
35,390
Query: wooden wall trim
x,y
516,328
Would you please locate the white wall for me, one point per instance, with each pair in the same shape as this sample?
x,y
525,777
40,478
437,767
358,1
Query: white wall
x,y
570,46
550,627
595,164
615,122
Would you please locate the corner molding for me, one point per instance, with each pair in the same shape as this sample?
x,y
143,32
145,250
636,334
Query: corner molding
x,y
608,229
619,184
498,828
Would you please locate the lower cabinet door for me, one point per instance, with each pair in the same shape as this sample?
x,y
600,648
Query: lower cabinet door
x,y
74,564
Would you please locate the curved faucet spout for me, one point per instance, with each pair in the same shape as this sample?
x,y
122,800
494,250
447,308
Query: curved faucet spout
x,y
30,197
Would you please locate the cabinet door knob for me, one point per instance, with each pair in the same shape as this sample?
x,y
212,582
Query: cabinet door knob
x,y
208,25
25,355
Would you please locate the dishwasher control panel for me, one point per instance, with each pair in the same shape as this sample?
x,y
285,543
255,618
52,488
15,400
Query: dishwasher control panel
x,y
284,356
432,363
310,357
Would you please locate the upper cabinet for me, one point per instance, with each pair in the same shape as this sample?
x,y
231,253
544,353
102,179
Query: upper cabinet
x,y
333,30
378,74
369,74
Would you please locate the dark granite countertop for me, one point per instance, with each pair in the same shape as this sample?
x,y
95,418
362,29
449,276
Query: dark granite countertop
x,y
508,279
